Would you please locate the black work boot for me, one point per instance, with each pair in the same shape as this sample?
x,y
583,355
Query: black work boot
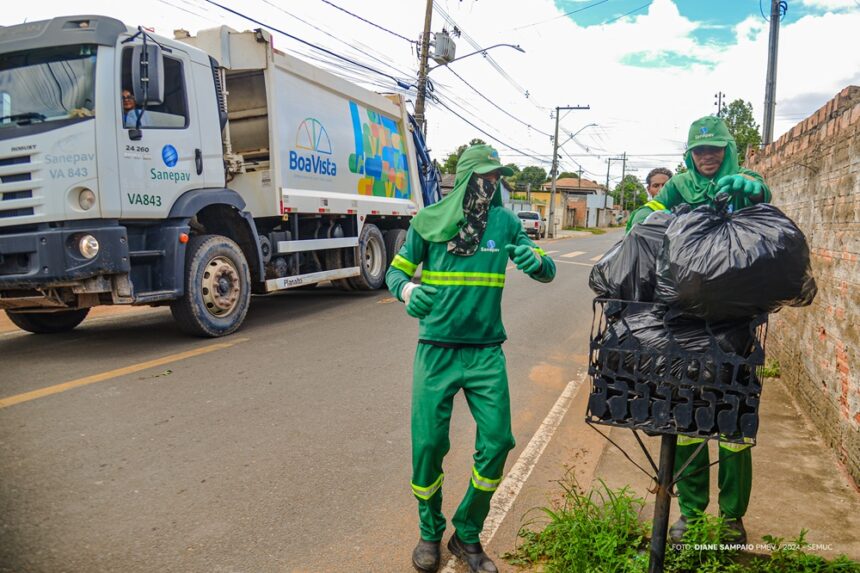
x,y
425,556
735,534
473,554
678,529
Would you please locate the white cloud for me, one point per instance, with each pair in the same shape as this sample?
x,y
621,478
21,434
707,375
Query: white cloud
x,y
830,4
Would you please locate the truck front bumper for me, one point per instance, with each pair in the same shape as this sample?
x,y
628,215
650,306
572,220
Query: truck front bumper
x,y
50,256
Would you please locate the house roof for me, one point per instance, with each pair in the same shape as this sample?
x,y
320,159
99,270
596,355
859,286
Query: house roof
x,y
574,184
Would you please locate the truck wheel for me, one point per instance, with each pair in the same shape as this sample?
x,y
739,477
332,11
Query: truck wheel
x,y
217,287
394,239
48,322
372,259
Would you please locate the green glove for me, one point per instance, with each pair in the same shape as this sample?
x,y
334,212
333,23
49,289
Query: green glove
x,y
419,299
526,259
738,185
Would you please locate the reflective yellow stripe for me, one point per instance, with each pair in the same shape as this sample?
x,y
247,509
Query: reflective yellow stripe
x,y
539,251
482,483
737,447
463,279
426,493
655,205
404,265
688,441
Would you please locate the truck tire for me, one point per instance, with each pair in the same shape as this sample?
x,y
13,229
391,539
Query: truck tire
x,y
48,322
217,287
372,259
394,239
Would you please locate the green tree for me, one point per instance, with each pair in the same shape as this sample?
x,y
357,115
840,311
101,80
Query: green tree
x,y
568,174
450,164
739,117
531,174
633,192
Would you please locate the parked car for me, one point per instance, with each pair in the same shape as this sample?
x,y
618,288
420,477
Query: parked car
x,y
533,224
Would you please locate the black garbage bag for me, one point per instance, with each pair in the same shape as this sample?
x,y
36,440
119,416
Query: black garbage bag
x,y
648,344
628,271
717,265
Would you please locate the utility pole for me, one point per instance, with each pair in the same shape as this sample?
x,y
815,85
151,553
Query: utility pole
x,y
550,224
770,83
623,174
609,161
719,103
423,70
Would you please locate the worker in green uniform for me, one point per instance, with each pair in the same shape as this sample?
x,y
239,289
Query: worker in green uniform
x,y
464,243
712,167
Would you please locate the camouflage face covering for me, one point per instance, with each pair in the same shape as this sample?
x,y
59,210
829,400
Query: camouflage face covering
x,y
476,206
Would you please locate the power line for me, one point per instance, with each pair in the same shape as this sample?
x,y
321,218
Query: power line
x,y
330,35
374,24
471,41
561,16
309,44
466,107
628,13
496,139
494,104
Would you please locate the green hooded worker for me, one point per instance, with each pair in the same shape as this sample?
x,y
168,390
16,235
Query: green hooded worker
x,y
712,167
464,243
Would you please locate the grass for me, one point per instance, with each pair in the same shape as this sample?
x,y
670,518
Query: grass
x,y
601,531
770,369
592,230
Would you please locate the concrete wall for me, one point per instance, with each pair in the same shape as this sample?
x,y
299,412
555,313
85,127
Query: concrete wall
x,y
814,173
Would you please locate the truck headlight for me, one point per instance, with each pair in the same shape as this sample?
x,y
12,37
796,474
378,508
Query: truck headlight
x,y
86,199
88,246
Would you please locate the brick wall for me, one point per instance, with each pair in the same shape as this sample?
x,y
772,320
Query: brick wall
x,y
814,173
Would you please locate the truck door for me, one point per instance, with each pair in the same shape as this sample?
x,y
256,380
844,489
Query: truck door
x,y
166,161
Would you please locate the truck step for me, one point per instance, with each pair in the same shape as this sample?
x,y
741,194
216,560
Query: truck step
x,y
153,296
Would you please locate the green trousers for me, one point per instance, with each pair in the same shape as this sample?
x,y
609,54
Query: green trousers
x,y
439,373
735,478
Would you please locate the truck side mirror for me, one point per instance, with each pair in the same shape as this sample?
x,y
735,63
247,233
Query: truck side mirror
x,y
147,75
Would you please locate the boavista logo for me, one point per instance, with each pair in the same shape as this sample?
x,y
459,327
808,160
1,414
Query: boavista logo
x,y
312,147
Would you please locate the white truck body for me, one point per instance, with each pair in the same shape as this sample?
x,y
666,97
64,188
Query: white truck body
x,y
308,177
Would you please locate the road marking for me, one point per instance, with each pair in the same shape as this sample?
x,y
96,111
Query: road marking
x,y
504,498
575,263
57,388
597,258
550,252
574,254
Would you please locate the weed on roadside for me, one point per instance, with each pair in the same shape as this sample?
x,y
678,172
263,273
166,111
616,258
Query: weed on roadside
x,y
601,531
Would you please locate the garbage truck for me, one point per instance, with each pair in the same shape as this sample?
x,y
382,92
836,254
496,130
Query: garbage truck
x,y
190,172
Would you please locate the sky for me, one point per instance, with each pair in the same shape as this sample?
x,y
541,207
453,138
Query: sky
x,y
645,70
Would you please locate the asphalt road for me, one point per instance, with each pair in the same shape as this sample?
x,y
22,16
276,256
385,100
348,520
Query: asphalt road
x,y
126,446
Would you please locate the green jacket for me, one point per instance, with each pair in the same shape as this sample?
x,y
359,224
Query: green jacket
x,y
468,307
693,188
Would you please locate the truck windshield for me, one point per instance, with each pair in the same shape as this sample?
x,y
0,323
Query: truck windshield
x,y
47,84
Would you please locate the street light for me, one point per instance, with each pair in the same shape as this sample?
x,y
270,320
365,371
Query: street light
x,y
571,136
425,70
481,51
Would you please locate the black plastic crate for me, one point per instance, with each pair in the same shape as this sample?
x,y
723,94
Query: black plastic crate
x,y
662,373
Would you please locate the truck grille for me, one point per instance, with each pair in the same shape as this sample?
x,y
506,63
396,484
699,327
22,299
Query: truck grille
x,y
17,201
